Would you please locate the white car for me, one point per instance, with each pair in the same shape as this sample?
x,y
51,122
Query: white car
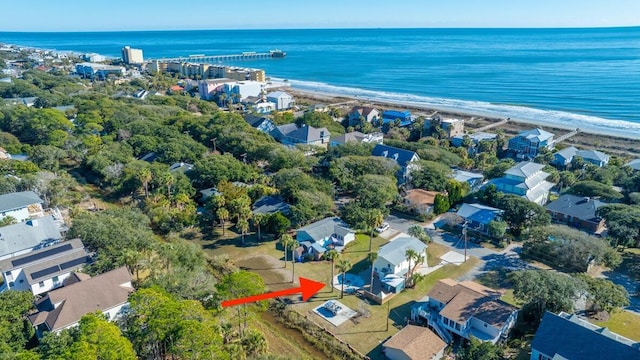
x,y
383,227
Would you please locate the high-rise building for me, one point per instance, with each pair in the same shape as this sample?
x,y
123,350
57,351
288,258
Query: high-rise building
x,y
132,56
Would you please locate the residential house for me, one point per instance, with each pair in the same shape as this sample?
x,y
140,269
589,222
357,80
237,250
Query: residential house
x,y
361,114
634,164
392,264
182,167
465,309
476,138
390,116
452,127
578,212
44,269
406,159
260,123
24,237
282,100
271,205
26,101
474,180
101,71
478,217
525,179
62,308
565,156
528,143
420,201
291,135
264,107
210,88
21,205
414,343
566,336
358,137
329,232
205,194
239,90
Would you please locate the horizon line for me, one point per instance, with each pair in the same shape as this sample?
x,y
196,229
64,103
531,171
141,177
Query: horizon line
x,y
332,28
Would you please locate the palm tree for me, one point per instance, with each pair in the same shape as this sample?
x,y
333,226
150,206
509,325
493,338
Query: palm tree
x,y
375,218
332,255
223,215
145,178
258,219
286,240
410,254
243,226
372,257
294,245
344,265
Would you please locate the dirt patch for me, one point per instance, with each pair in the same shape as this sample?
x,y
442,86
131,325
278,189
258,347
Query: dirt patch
x,y
272,270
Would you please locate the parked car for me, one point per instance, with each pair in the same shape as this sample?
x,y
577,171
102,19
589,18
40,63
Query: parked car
x,y
382,228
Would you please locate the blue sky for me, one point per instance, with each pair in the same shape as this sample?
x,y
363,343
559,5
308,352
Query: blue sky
x,y
113,15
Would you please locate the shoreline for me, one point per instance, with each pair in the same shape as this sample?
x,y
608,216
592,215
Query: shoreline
x,y
614,143
624,133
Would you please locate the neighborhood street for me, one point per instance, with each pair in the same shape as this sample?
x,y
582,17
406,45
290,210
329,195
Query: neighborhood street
x,y
508,258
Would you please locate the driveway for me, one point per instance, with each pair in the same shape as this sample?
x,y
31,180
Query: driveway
x,y
630,285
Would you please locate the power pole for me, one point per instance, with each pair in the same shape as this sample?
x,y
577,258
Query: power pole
x,y
213,140
388,313
464,235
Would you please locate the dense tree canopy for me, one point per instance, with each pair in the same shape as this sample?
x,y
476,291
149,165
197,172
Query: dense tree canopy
x,y
594,189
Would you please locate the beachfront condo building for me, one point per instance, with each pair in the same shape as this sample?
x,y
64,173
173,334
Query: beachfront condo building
x,y
132,56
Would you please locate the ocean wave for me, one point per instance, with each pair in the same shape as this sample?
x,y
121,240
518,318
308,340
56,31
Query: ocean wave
x,y
553,118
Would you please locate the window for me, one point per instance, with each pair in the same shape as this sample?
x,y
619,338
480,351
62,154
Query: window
x,y
41,283
8,273
11,284
21,281
55,279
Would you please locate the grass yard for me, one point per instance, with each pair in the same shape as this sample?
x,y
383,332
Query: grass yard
x,y
623,323
365,334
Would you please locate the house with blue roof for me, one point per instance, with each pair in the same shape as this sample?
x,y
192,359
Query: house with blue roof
x,y
406,159
392,264
528,143
478,217
566,336
525,179
565,156
390,116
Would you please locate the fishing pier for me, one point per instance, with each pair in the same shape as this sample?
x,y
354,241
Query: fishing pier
x,y
250,55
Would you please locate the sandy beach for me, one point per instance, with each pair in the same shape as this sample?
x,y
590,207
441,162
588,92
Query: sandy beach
x,y
619,143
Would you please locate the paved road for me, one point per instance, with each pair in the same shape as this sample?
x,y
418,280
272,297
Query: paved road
x,y
509,258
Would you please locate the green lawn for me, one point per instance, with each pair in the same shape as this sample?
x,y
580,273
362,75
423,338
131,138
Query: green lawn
x,y
368,333
623,323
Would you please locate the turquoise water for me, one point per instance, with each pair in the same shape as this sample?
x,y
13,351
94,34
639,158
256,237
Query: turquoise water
x,y
588,78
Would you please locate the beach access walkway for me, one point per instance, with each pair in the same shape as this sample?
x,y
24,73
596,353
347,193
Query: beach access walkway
x,y
490,126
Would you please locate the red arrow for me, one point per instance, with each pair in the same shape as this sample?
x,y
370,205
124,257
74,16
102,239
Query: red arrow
x,y
307,287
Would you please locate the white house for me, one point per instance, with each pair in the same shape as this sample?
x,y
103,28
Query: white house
x,y
64,307
44,269
392,263
328,232
240,90
465,309
21,205
282,99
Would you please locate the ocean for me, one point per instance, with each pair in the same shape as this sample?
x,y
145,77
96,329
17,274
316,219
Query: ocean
x,y
575,78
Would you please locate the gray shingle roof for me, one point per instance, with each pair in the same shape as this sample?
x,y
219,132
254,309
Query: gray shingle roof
x,y
401,156
572,338
325,227
308,133
28,235
537,134
18,200
395,251
634,164
593,155
583,208
524,169
270,205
